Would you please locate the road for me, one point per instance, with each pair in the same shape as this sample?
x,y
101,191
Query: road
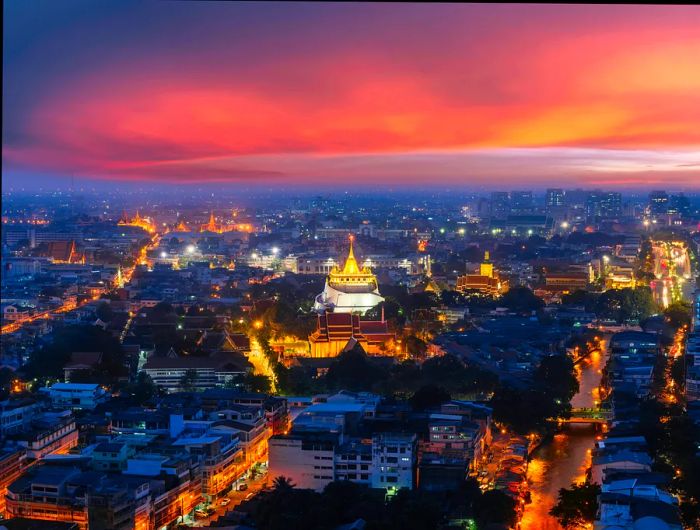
x,y
70,306
261,363
673,272
236,497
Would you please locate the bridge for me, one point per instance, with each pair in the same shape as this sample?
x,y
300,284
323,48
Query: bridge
x,y
588,415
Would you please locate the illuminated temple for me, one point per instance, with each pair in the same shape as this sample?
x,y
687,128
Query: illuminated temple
x,y
145,223
487,281
350,290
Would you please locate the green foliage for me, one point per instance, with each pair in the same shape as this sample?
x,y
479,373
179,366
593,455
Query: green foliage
x,y
555,376
528,410
416,347
679,314
257,383
583,298
188,380
576,507
429,396
626,305
495,507
354,371
521,299
6,377
48,362
142,390
104,312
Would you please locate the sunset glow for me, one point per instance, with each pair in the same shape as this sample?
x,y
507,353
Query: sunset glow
x,y
303,93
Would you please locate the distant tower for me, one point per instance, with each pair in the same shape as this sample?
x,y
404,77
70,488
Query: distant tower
x,y
486,268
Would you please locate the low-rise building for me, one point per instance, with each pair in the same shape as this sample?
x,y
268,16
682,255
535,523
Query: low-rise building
x,y
84,396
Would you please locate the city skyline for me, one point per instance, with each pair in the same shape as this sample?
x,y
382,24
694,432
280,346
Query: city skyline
x,y
345,95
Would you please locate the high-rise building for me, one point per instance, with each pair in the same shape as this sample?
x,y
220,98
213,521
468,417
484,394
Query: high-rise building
x,y
679,205
555,206
521,202
603,205
554,198
500,205
658,203
611,205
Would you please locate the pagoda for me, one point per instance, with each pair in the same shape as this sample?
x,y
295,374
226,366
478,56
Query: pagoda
x,y
211,226
145,223
182,227
349,290
488,281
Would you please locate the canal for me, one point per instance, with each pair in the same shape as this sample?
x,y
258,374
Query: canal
x,y
566,458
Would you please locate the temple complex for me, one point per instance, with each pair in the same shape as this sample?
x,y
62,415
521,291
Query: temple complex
x,y
339,332
487,281
350,290
144,223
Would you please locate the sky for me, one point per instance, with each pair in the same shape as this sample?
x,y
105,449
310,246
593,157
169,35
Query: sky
x,y
343,94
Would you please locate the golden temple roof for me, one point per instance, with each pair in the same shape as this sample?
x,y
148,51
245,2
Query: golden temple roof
x,y
351,271
351,266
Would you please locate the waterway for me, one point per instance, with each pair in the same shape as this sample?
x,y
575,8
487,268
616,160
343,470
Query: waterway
x,y
564,460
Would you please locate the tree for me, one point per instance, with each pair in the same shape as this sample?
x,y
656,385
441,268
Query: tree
x,y
143,389
354,371
189,380
429,396
283,484
7,375
48,362
576,507
258,383
555,376
416,347
495,507
679,314
104,312
521,299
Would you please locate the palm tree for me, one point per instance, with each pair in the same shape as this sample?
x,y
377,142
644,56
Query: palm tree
x,y
283,484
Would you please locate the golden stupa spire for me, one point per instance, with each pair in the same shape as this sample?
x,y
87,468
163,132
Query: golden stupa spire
x,y
351,266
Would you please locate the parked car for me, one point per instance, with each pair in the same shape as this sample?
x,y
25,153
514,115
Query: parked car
x,y
200,513
242,487
249,496
225,502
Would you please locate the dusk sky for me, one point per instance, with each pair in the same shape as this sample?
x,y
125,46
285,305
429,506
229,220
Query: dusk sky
x,y
338,94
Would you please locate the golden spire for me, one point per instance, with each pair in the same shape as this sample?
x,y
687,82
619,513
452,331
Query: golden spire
x,y
351,266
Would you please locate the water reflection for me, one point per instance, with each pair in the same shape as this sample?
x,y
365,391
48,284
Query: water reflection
x,y
566,459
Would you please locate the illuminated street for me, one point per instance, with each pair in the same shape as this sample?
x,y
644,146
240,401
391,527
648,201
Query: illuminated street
x,y
672,271
70,306
260,362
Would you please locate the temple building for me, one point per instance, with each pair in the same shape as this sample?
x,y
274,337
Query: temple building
x,y
211,226
350,290
145,223
182,227
339,332
487,281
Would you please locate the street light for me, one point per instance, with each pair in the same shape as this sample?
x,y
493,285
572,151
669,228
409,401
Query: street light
x,y
275,250
565,225
190,249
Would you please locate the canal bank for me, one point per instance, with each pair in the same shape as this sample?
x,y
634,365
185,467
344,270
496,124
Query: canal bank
x,y
564,459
